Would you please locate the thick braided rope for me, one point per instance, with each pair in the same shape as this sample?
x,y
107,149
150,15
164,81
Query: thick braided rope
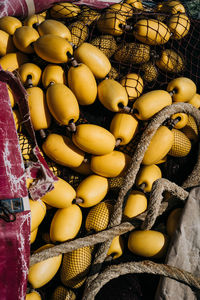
x,y
129,180
149,267
159,186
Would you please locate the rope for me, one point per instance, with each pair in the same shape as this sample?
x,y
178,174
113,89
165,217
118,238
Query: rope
x,y
159,186
134,166
149,267
193,179
90,240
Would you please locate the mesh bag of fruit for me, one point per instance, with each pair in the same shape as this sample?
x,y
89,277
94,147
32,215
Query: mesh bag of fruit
x,y
103,103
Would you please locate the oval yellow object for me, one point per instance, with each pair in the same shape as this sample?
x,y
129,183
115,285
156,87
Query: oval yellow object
x,y
53,74
38,212
83,84
62,151
135,205
148,243
64,10
124,9
112,95
54,27
173,221
33,235
45,48
63,293
147,175
170,61
135,4
195,101
12,61
181,145
110,165
6,43
40,116
97,61
84,168
124,127
61,196
110,23
17,119
24,37
179,25
93,139
34,295
159,146
42,272
183,119
151,32
182,88
11,96
66,223
9,24
147,105
62,104
92,190
32,71
133,84
34,20
116,248
99,216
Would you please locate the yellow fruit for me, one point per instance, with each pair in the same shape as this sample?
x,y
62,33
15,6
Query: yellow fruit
x,y
150,71
66,223
148,243
75,267
179,25
182,122
97,61
62,151
124,127
133,84
111,23
116,247
195,100
40,116
9,24
12,61
173,221
64,10
24,37
151,32
159,146
124,9
38,212
42,272
110,165
93,139
147,105
181,146
132,53
33,235
99,216
6,43
53,74
61,293
79,33
30,71
45,48
135,204
170,61
61,196
62,104
191,130
26,146
54,27
34,20
34,295
92,190
112,95
17,119
182,88
83,84
147,175
106,43
84,168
